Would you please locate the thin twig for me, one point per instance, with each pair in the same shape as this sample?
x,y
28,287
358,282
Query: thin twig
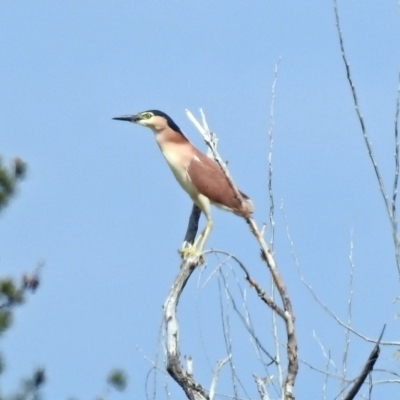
x,y
195,214
368,367
396,146
155,368
276,340
226,328
210,140
349,313
319,301
217,370
270,153
249,326
287,313
389,204
326,354
396,174
271,214
322,371
357,108
200,325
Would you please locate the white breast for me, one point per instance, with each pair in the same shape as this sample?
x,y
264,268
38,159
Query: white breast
x,y
179,169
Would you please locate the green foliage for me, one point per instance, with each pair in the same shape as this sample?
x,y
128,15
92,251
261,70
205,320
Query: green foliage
x,y
10,295
9,177
117,379
31,388
5,320
2,366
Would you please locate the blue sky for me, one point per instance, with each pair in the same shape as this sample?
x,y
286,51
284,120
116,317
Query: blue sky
x,y
101,209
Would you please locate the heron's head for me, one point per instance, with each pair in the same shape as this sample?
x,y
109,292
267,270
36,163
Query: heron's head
x,y
154,119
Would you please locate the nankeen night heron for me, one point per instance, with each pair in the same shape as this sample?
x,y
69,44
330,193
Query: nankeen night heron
x,y
199,176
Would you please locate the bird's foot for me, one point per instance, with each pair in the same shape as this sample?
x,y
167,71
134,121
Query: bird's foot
x,y
191,251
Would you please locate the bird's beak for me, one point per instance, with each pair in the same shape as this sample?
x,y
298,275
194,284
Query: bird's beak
x,y
129,118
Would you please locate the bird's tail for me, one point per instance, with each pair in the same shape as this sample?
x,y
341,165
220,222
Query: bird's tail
x,y
247,206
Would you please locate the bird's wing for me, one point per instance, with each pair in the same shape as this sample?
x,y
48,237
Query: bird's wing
x,y
210,181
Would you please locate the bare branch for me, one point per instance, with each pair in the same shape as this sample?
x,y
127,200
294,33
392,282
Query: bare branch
x,y
271,214
192,389
349,312
261,383
154,368
217,370
357,108
323,371
396,146
396,175
211,141
226,328
320,302
193,224
288,316
286,313
389,204
260,291
270,152
368,367
246,322
326,354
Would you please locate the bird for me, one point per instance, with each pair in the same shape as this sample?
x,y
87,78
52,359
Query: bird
x,y
200,176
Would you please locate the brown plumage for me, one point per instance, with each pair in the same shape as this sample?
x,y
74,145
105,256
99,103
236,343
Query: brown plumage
x,y
199,176
218,189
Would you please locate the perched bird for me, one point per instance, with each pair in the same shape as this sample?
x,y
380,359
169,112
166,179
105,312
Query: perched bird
x,y
199,176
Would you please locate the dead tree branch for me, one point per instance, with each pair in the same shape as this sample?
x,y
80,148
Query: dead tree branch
x,y
319,300
272,214
389,203
368,367
285,312
192,389
266,299
261,387
217,370
287,316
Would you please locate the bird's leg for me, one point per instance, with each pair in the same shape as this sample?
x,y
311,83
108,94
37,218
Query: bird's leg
x,y
197,247
201,240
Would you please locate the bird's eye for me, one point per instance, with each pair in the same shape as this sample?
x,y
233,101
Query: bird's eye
x,y
147,115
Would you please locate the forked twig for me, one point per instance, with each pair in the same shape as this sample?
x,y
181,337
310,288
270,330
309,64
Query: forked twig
x,y
368,367
286,313
246,320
